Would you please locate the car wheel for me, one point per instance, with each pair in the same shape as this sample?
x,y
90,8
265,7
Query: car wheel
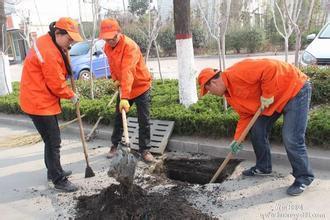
x,y
85,75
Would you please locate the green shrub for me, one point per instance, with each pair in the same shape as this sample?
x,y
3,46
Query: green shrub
x,y
101,88
198,36
318,129
252,40
235,40
166,39
205,118
320,78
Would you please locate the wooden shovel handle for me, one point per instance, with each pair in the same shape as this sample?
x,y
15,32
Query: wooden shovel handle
x,y
81,129
125,127
248,127
240,140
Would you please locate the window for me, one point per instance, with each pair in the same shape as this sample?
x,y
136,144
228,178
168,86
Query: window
x,y
79,49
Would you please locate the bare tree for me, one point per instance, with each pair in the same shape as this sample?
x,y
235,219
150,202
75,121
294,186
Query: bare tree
x,y
158,60
289,14
219,33
185,53
95,10
37,11
24,15
80,20
299,29
152,34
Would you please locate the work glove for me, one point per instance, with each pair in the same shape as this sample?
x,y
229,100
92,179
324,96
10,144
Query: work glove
x,y
75,99
266,102
235,147
116,83
124,104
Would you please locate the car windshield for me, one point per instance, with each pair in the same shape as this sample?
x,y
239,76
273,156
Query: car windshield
x,y
79,49
326,32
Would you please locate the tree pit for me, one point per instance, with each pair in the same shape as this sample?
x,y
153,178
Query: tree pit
x,y
198,171
133,202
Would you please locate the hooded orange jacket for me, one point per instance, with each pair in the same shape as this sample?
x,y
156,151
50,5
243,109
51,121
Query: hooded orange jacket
x,y
43,80
128,67
249,79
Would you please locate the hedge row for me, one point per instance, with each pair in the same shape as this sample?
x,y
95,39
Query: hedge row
x,y
204,118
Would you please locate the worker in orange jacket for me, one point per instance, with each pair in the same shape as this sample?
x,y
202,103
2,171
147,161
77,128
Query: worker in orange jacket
x,y
279,89
42,86
131,75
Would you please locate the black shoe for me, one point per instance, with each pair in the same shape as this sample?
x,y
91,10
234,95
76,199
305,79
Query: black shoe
x,y
65,185
296,189
253,171
66,173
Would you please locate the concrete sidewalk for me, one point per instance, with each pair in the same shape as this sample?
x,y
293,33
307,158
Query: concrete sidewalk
x,y
25,193
319,158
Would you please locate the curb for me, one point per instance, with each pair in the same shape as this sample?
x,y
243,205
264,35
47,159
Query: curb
x,y
319,158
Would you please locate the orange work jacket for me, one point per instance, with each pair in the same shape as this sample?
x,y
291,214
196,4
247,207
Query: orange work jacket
x,y
249,79
128,67
43,80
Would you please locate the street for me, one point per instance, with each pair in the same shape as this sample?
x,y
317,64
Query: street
x,y
169,65
26,194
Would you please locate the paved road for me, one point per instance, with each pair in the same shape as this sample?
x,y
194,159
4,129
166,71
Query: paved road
x,y
169,65
25,193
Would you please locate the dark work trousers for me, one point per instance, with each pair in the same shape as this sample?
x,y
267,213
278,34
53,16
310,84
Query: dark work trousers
x,y
295,117
143,110
49,130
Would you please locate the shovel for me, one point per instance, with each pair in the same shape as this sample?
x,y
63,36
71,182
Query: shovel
x,y
240,140
122,166
88,171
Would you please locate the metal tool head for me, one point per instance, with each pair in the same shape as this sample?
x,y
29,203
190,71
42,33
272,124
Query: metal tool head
x,y
122,166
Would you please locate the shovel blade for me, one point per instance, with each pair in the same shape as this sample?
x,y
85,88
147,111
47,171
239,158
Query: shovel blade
x,y
122,166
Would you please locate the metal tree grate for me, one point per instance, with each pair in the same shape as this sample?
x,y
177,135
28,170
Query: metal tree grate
x,y
160,133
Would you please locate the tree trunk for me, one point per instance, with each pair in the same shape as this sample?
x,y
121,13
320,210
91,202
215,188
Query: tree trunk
x,y
158,60
2,24
298,45
219,54
286,47
185,53
148,49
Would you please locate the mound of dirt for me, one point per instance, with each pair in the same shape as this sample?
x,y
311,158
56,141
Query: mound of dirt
x,y
120,202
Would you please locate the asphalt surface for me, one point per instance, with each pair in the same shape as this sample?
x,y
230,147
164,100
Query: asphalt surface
x,y
25,193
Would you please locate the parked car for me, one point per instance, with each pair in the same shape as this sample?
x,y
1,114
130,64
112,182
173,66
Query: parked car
x,y
318,51
80,60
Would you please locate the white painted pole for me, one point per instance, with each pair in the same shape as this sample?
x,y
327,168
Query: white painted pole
x,y
5,78
187,72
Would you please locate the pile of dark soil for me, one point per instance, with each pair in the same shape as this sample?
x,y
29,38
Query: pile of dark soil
x,y
119,202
